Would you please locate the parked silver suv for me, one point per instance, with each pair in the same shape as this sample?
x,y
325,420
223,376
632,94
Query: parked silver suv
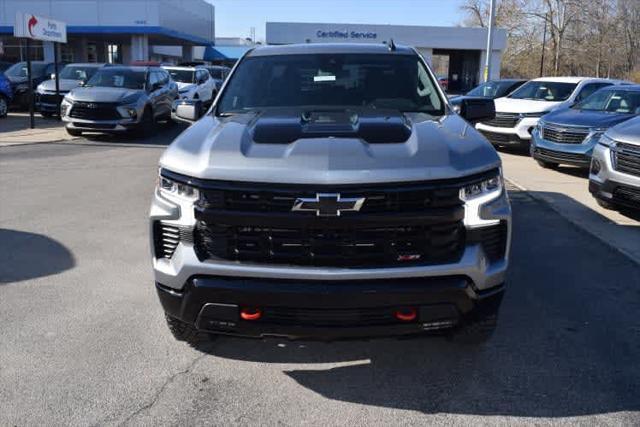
x,y
120,99
614,178
338,195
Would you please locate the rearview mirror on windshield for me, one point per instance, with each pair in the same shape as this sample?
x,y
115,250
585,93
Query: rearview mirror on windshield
x,y
476,110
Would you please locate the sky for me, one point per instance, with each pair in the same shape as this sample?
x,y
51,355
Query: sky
x,y
234,18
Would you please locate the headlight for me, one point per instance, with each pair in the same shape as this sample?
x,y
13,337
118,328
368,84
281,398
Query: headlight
x,y
606,141
170,187
40,89
478,194
540,125
595,133
65,105
128,111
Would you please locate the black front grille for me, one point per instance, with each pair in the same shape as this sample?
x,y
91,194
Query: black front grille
x,y
504,120
564,135
348,247
94,111
50,98
627,158
627,195
330,317
493,240
559,156
502,138
398,224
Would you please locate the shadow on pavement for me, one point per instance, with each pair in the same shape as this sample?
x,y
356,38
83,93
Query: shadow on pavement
x,y
567,344
25,256
163,134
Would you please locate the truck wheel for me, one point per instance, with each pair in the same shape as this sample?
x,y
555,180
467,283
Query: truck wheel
x,y
547,165
4,106
74,132
478,331
607,205
185,332
145,127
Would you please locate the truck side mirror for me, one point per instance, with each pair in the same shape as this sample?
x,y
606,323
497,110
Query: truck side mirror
x,y
476,110
186,111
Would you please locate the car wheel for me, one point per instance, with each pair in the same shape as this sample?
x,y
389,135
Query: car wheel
x,y
74,132
547,165
185,332
607,205
4,106
145,127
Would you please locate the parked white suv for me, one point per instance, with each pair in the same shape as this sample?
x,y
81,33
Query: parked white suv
x,y
518,114
194,83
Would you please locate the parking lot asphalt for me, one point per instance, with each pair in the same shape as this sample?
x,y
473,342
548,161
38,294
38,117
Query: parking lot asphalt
x,y
83,339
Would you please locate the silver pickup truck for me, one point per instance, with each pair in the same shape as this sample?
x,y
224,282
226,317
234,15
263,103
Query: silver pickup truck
x,y
336,196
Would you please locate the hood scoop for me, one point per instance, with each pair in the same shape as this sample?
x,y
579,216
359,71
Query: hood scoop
x,y
375,127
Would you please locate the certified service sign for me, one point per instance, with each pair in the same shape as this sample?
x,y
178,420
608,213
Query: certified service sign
x,y
39,28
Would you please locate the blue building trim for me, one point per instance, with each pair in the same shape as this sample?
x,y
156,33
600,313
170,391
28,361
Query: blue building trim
x,y
138,30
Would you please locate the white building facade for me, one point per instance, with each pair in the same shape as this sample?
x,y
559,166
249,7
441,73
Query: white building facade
x,y
118,31
456,53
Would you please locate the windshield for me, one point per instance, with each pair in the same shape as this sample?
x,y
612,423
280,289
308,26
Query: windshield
x,y
182,76
491,89
74,72
612,101
381,81
20,69
544,91
122,78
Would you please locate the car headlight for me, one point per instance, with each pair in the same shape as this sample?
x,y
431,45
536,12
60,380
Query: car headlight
x,y
478,194
170,187
40,89
606,141
540,125
595,133
65,105
128,111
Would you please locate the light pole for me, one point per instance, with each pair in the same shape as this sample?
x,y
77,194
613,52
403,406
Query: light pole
x,y
487,67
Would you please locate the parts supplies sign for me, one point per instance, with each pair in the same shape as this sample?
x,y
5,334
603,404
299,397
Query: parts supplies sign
x,y
39,28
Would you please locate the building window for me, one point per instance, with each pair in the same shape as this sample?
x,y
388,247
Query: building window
x,y
113,54
66,53
92,52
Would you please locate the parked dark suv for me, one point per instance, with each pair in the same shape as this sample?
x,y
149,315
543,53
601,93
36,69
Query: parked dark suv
x,y
120,99
17,75
331,192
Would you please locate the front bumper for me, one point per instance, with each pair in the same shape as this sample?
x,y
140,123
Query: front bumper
x,y
328,309
609,185
569,154
122,125
520,135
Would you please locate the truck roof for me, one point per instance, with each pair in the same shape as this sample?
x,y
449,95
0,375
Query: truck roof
x,y
328,48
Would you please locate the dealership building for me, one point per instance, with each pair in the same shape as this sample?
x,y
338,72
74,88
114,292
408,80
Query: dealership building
x,y
117,31
458,53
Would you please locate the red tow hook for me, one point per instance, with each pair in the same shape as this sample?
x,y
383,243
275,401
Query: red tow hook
x,y
407,314
250,313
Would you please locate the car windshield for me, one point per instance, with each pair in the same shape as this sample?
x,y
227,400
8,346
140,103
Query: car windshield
x,y
380,81
20,69
217,73
612,101
182,76
122,78
544,91
491,89
75,72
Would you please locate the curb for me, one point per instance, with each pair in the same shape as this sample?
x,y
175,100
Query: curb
x,y
622,251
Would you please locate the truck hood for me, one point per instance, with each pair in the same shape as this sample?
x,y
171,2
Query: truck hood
x,y
65,85
594,119
510,105
227,149
101,94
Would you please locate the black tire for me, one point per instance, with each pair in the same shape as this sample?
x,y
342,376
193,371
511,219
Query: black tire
x,y
478,331
4,106
146,125
185,332
547,165
607,205
74,132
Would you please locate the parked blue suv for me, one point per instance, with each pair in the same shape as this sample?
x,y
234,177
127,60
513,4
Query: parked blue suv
x,y
568,136
6,95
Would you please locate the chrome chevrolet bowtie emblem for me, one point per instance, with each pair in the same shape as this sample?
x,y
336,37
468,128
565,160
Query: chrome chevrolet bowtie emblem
x,y
328,204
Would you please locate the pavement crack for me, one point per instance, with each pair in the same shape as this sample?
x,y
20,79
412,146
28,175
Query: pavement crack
x,y
156,396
